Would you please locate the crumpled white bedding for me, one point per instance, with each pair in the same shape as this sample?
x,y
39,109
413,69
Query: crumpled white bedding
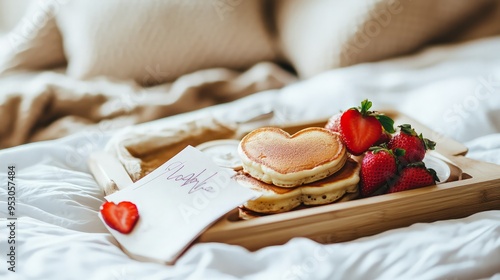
x,y
451,89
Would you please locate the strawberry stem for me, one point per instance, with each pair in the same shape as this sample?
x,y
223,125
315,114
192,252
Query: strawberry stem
x,y
386,122
365,106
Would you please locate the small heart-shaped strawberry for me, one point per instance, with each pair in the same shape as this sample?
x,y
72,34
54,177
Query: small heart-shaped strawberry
x,y
360,128
121,217
358,132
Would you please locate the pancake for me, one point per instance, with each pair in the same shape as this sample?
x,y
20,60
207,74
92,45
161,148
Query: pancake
x,y
273,199
272,156
277,199
247,214
332,188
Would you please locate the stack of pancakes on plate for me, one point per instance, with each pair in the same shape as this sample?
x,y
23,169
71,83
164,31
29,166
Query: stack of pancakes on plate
x,y
310,167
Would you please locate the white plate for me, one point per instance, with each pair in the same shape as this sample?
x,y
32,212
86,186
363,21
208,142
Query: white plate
x,y
442,169
223,152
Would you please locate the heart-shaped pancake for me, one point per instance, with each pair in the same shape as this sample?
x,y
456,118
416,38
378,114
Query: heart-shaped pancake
x,y
275,199
275,157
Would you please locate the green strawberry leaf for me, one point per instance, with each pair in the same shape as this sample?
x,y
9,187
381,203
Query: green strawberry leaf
x,y
429,144
399,152
386,122
434,174
365,107
376,149
406,129
383,145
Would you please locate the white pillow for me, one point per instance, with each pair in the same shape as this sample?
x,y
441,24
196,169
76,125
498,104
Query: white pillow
x,y
35,43
155,41
319,35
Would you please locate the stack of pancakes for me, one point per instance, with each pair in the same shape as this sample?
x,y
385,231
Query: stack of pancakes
x,y
310,167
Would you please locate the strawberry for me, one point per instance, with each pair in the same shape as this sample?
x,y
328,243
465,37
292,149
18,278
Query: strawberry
x,y
415,145
384,138
378,168
121,217
360,128
333,123
414,176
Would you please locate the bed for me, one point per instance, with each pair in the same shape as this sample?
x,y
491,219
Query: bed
x,y
452,89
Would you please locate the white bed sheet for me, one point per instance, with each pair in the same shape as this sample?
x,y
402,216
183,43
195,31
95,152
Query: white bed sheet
x,y
454,90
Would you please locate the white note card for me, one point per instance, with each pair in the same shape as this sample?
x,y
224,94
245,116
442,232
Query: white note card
x,y
176,203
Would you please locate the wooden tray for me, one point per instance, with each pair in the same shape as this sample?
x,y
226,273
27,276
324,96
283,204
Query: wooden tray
x,y
475,187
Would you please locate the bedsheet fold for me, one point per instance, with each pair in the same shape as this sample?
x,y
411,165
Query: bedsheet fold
x,y
37,106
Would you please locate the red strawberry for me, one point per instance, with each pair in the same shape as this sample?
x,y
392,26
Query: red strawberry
x,y
415,145
361,128
414,176
121,217
333,123
384,138
378,168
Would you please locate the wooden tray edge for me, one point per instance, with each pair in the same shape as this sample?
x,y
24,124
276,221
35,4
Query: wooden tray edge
x,y
363,217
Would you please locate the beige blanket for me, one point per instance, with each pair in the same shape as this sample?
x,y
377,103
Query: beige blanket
x,y
40,106
72,64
